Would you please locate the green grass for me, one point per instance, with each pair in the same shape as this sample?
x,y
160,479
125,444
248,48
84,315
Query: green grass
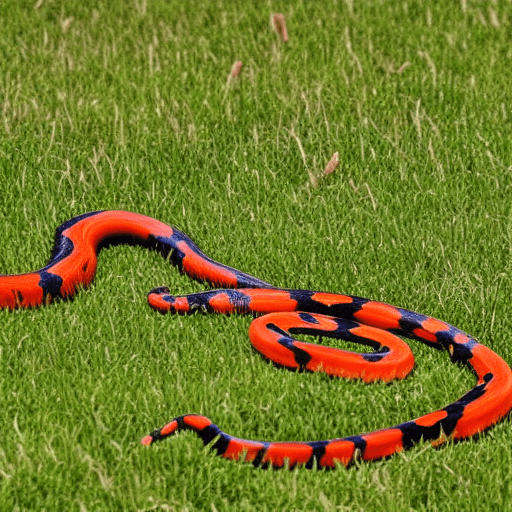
x,y
125,105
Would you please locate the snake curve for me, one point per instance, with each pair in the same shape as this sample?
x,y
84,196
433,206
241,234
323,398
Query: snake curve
x,y
283,312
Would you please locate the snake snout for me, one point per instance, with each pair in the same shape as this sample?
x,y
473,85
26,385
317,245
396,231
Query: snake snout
x,y
160,290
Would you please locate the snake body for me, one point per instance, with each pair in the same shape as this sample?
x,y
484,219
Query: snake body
x,y
283,312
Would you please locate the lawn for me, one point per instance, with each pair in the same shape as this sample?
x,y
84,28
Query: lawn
x,y
127,105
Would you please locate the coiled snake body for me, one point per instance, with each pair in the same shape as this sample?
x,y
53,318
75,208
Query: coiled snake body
x,y
73,264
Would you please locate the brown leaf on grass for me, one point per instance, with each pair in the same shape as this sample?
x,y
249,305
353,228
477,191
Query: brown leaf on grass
x,y
236,68
332,164
279,24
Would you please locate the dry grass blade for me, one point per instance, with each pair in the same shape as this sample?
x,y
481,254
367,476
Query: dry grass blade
x,y
403,67
312,178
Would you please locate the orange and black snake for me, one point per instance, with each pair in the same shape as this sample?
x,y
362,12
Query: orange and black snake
x,y
283,312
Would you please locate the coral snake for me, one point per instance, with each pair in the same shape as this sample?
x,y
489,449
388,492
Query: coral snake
x,y
284,312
